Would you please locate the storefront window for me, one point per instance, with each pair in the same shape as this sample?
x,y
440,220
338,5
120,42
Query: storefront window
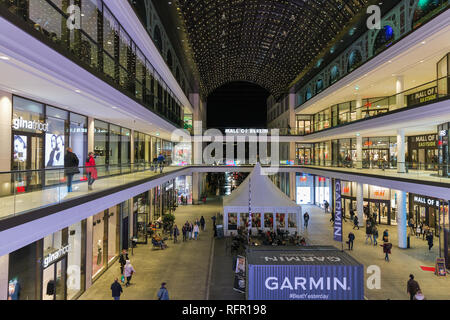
x,y
113,230
98,234
305,188
78,136
76,260
141,210
24,277
114,146
101,143
125,146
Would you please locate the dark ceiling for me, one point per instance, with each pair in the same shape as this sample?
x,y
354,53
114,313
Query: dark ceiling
x,y
265,42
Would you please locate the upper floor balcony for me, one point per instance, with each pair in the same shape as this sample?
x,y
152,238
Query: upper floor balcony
x,y
354,111
97,42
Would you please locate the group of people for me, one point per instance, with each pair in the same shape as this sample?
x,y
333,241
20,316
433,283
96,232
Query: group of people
x,y
372,231
423,230
127,271
191,230
71,168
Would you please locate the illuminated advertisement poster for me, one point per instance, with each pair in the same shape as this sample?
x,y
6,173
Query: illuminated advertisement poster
x,y
303,195
182,154
20,148
54,150
239,276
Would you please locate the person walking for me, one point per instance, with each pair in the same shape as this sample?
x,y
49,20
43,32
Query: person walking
x,y
375,235
184,231
429,239
71,163
176,232
91,170
154,164
306,219
123,260
202,223
425,231
163,293
412,287
411,226
369,231
385,235
190,229
351,238
161,160
196,231
355,223
332,217
326,205
387,246
352,214
116,289
128,272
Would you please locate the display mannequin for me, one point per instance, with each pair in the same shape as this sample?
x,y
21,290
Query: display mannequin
x,y
99,252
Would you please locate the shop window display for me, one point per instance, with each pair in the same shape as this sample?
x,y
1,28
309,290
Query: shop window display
x,y
113,230
281,222
76,260
98,234
54,273
243,221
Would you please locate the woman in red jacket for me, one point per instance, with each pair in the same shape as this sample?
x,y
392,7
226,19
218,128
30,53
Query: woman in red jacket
x,y
91,170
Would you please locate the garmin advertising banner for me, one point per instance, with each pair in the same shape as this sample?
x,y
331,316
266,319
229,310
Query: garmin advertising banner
x,y
304,275
337,229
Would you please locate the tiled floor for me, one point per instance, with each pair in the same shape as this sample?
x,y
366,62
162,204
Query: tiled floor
x,y
394,274
23,202
184,266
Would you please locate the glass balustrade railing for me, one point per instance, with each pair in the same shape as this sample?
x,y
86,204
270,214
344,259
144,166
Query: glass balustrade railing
x,y
22,191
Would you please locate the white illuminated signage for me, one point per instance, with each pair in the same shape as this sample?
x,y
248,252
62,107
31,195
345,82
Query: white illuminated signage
x,y
244,131
443,133
51,257
21,123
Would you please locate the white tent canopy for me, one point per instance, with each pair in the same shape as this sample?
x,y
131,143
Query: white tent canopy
x,y
271,208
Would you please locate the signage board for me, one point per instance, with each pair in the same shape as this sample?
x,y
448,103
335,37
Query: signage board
x,y
21,123
422,96
52,257
428,202
440,267
314,273
239,275
337,229
246,131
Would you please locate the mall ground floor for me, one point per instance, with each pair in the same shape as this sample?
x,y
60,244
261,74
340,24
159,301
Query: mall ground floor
x,y
386,206
65,264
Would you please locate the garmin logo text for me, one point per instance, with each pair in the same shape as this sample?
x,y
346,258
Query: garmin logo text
x,y
322,283
55,255
302,259
21,123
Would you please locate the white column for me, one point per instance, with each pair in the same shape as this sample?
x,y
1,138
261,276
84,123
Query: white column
x,y
401,219
360,203
358,107
91,134
401,167
4,266
399,88
5,138
359,152
89,235
195,188
132,146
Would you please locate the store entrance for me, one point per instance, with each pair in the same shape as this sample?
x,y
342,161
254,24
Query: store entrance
x,y
28,154
380,210
54,281
304,155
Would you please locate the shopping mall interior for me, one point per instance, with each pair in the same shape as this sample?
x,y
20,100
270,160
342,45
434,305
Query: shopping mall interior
x,y
221,146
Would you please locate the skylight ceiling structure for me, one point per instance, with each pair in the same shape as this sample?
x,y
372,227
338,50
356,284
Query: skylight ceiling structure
x,y
267,42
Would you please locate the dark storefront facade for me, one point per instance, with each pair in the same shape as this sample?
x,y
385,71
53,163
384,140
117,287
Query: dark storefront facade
x,y
423,152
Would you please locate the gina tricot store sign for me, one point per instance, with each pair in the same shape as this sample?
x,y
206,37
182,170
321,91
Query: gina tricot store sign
x,y
21,123
52,257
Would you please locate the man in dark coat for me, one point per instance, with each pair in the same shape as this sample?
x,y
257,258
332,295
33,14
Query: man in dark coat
x,y
412,287
116,289
71,163
123,260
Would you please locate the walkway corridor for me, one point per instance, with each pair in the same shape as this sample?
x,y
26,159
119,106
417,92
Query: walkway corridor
x,y
394,274
184,266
